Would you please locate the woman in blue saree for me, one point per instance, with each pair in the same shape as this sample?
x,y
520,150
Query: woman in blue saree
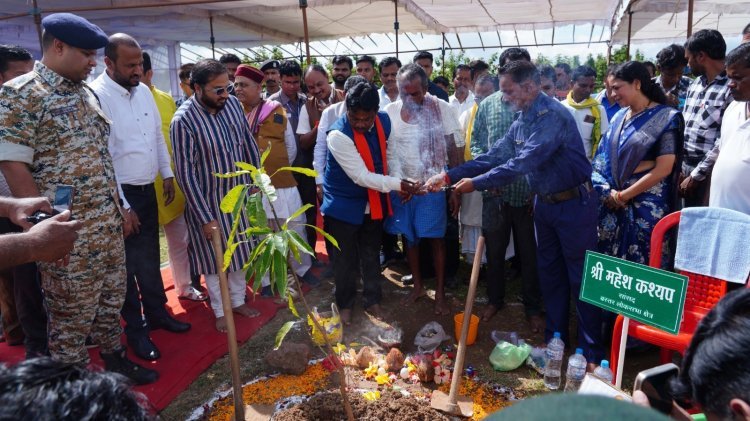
x,y
636,165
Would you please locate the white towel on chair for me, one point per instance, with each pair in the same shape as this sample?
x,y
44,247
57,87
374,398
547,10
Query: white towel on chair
x,y
714,242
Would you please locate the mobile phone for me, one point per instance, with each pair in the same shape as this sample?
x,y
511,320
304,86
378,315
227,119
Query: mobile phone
x,y
63,198
63,201
654,382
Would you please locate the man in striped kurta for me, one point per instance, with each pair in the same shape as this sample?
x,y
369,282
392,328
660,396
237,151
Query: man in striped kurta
x,y
209,134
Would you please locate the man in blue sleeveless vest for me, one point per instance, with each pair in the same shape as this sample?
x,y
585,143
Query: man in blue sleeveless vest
x,y
355,199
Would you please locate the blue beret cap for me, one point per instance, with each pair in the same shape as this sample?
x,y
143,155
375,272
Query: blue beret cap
x,y
75,31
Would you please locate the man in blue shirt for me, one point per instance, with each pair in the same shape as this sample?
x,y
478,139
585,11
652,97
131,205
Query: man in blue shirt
x,y
547,148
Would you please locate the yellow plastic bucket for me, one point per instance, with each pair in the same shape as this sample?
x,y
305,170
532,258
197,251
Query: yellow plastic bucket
x,y
330,321
458,320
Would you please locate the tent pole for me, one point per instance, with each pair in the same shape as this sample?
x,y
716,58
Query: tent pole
x,y
442,53
213,40
395,23
630,27
303,6
38,23
690,19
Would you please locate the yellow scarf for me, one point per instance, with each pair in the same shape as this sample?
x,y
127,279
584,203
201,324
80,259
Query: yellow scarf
x,y
596,132
469,129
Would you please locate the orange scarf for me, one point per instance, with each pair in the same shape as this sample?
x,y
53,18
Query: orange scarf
x,y
376,206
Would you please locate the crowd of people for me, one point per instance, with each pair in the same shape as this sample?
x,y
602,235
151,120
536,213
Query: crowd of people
x,y
526,153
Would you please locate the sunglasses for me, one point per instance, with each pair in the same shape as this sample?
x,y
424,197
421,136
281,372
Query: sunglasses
x,y
220,90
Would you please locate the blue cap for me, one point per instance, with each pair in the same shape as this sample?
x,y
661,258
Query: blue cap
x,y
556,335
579,351
75,31
605,364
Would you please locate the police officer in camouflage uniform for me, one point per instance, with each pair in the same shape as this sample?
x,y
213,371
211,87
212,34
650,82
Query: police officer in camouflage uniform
x,y
52,132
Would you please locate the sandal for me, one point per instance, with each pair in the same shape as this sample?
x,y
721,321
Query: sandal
x,y
193,295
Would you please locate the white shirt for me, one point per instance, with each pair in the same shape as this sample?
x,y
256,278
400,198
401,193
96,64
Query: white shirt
x,y
303,125
585,128
460,107
732,168
345,151
403,144
320,153
384,98
136,142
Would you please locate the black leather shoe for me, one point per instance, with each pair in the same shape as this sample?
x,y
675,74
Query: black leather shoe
x,y
144,348
169,324
118,362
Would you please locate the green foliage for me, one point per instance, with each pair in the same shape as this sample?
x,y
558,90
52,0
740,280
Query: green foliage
x,y
277,243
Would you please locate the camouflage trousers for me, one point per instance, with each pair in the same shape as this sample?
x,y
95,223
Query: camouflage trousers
x,y
85,297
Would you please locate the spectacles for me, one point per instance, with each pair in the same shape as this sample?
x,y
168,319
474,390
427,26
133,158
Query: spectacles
x,y
221,90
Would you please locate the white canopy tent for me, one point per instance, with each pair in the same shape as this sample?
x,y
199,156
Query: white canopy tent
x,y
161,26
667,20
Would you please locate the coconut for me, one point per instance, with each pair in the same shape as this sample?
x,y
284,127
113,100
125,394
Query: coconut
x,y
395,359
366,356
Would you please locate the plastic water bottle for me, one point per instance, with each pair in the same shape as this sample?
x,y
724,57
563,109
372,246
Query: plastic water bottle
x,y
553,362
576,371
604,372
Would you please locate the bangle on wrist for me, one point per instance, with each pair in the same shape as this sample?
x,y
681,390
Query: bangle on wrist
x,y
447,179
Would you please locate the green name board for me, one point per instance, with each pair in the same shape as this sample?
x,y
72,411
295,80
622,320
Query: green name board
x,y
651,296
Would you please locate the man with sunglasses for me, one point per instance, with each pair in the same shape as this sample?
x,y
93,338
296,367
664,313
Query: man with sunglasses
x,y
209,134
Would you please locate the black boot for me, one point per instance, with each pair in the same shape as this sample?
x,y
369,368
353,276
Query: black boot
x,y
118,362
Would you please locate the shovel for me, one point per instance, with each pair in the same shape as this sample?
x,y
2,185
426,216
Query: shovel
x,y
452,403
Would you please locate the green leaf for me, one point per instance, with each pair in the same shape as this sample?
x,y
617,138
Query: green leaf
x,y
255,213
247,168
285,328
235,225
296,213
257,231
299,242
302,170
233,199
265,185
279,242
265,154
228,255
327,236
256,251
290,303
292,247
264,262
279,272
232,174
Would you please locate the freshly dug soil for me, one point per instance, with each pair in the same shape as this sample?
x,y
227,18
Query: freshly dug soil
x,y
392,406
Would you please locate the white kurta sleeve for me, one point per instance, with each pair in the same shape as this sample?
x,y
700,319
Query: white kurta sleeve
x,y
343,149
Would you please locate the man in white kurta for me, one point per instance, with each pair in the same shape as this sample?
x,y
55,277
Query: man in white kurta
x,y
732,169
425,137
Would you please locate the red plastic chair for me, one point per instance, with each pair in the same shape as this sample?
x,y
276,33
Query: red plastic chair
x,y
702,294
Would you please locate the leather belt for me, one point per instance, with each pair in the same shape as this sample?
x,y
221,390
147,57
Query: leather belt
x,y
565,195
135,187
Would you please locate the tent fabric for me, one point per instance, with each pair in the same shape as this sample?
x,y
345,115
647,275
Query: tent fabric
x,y
249,23
666,20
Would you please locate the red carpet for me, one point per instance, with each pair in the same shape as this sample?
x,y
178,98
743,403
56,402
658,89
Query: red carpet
x,y
184,356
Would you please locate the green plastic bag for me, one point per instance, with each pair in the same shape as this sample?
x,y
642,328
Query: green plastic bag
x,y
507,357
